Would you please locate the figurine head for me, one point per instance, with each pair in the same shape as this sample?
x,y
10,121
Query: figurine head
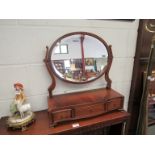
x,y
18,87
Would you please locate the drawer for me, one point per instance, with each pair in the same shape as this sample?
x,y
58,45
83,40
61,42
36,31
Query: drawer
x,y
115,104
90,110
62,115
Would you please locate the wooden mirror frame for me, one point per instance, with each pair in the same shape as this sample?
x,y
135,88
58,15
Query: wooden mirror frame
x,y
51,70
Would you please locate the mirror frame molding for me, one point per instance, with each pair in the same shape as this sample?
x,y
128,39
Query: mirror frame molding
x,y
52,72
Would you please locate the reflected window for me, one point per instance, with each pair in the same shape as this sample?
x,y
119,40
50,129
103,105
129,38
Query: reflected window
x,y
67,63
61,49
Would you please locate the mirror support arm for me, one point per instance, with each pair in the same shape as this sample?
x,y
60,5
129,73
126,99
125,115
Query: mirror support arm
x,y
47,62
110,58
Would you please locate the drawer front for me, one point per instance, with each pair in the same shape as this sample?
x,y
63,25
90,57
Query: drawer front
x,y
62,115
90,110
115,104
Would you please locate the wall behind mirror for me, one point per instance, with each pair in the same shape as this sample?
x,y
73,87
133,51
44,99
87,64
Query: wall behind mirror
x,y
22,50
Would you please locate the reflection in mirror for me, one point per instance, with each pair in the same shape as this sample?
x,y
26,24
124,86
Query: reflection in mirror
x,y
79,58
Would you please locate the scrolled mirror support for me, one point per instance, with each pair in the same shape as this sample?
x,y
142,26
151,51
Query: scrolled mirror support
x,y
48,63
109,81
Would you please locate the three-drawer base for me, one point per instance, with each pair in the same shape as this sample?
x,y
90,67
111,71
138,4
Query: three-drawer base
x,y
97,103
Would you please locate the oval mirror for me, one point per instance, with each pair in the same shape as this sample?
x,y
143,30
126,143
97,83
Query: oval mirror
x,y
79,57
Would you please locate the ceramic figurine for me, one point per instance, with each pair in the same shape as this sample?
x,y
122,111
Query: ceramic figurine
x,y
21,114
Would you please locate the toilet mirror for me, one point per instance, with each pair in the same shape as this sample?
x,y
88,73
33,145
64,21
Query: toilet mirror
x,y
79,57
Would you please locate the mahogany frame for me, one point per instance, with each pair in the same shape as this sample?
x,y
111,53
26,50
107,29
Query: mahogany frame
x,y
51,70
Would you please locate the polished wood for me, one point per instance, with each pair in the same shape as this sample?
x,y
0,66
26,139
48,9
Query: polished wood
x,y
47,61
52,72
74,106
140,64
86,104
113,121
110,57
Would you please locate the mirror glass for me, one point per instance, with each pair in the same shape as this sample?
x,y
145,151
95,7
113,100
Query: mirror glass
x,y
79,58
